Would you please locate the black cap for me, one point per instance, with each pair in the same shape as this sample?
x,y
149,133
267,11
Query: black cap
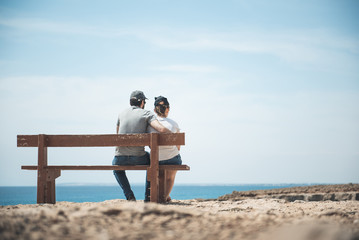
x,y
139,95
161,99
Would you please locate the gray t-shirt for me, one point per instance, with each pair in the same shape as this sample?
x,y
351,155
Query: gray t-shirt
x,y
133,120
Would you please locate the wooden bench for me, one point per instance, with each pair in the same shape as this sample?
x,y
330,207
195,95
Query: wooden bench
x,y
46,174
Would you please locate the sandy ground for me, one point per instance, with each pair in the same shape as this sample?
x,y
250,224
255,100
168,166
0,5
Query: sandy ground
x,y
240,215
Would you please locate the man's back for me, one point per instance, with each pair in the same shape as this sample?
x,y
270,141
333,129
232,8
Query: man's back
x,y
133,120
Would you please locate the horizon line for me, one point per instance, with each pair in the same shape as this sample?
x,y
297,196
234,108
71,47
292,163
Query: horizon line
x,y
185,184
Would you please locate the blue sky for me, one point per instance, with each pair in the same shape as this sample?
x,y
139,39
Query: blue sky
x,y
266,91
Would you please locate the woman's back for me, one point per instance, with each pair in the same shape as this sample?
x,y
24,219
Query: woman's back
x,y
167,152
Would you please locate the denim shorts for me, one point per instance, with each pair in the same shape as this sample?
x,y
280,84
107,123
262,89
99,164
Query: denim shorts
x,y
176,160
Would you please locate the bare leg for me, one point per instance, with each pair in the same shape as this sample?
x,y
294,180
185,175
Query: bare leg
x,y
170,181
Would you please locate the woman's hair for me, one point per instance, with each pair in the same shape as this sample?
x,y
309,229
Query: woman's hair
x,y
161,104
160,110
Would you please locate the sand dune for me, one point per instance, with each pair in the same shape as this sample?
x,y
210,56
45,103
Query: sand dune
x,y
228,217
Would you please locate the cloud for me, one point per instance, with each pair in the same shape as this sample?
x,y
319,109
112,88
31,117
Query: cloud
x,y
310,46
187,68
242,130
317,47
41,25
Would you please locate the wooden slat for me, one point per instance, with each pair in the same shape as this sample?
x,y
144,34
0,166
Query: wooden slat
x,y
32,167
171,139
106,167
89,167
103,140
175,167
27,140
99,167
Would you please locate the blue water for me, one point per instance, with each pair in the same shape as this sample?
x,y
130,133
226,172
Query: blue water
x,y
27,195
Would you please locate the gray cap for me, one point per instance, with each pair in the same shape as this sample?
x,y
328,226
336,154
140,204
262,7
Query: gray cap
x,y
139,95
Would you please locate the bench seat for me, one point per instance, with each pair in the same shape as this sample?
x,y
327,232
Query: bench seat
x,y
107,167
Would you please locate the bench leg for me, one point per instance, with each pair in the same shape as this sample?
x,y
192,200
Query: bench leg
x,y
41,171
153,178
46,192
152,171
162,186
50,192
41,186
50,195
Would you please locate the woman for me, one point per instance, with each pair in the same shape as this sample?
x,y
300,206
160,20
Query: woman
x,y
168,155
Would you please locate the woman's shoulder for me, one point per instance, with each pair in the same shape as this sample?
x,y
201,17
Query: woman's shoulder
x,y
172,122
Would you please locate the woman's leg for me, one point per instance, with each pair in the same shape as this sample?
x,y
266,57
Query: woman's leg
x,y
170,181
170,174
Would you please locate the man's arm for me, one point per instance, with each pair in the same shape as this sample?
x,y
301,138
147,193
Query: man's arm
x,y
159,127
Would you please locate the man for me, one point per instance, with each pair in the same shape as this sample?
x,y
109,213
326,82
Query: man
x,y
134,120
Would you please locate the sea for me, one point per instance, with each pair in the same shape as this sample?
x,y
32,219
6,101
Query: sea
x,y
87,193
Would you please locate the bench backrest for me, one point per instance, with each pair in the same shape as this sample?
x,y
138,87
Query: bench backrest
x,y
46,177
103,140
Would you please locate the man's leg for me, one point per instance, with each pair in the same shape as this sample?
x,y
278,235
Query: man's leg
x,y
141,160
145,160
125,185
122,178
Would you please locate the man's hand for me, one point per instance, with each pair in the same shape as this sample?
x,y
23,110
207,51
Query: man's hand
x,y
159,127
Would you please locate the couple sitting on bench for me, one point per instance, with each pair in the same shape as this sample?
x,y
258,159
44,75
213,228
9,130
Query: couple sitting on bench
x,y
138,120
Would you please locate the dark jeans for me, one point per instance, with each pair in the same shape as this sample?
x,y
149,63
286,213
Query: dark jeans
x,y
135,160
176,160
121,175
